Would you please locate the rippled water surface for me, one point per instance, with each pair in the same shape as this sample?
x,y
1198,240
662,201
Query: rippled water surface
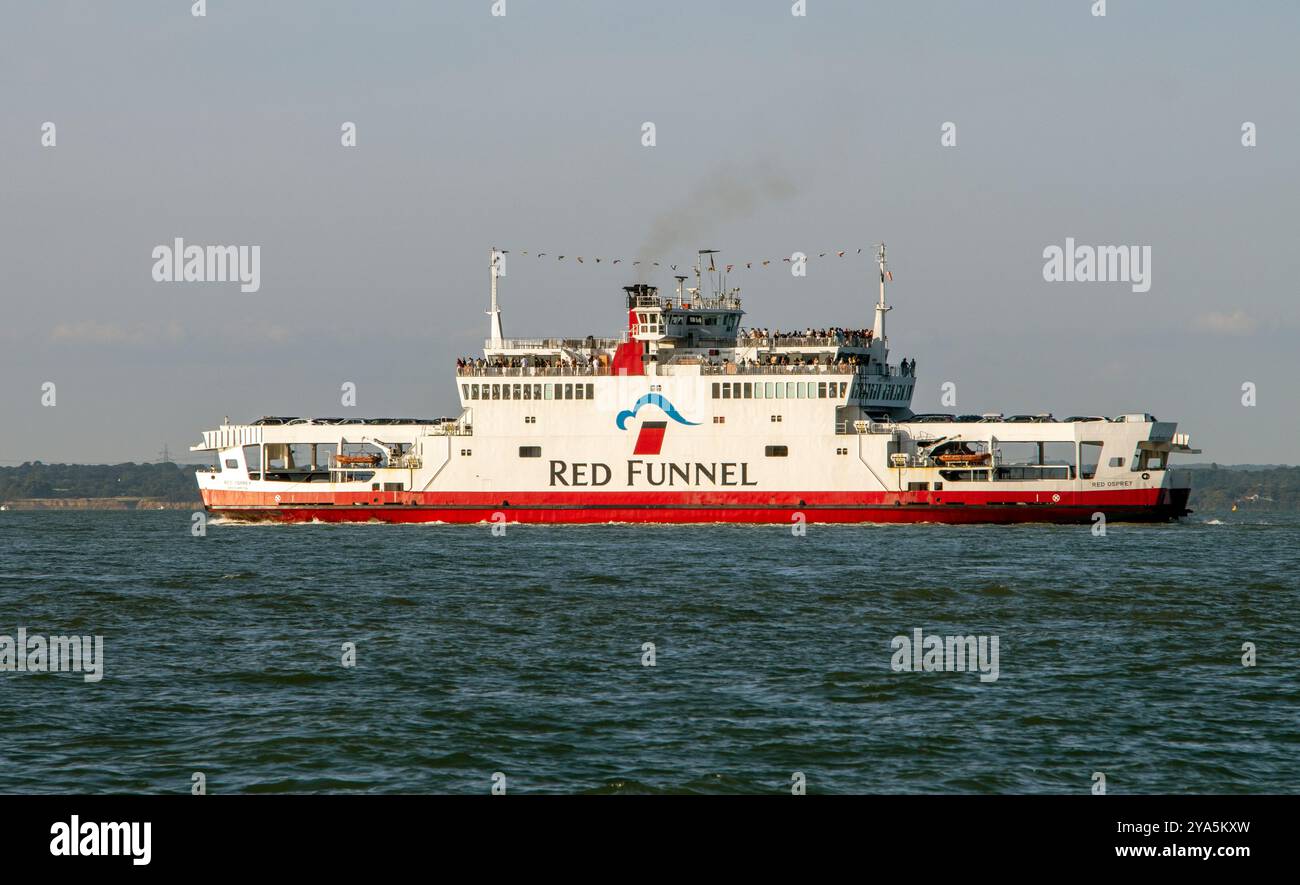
x,y
523,654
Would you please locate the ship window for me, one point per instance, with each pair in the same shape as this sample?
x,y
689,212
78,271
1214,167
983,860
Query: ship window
x,y
767,390
1033,473
710,321
776,451
581,391
719,419
918,487
550,391
758,390
530,451
1116,462
591,391
496,391
232,464
505,391
776,419
392,487
803,390
374,487
528,391
726,391
1145,460
749,390
517,393
964,475
568,391
821,390
789,390
717,390
464,391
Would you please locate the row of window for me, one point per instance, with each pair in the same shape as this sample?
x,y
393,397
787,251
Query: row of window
x,y
864,390
528,391
779,389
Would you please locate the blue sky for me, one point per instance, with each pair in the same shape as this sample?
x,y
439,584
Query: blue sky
x,y
524,131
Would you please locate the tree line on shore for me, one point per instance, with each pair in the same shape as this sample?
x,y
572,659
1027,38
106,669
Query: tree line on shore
x,y
164,482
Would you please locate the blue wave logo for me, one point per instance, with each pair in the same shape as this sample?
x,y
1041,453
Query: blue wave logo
x,y
652,399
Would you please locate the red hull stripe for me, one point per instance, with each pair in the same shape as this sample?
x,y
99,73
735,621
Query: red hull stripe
x,y
575,507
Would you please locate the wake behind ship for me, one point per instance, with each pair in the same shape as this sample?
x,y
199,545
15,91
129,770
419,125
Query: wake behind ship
x,y
690,417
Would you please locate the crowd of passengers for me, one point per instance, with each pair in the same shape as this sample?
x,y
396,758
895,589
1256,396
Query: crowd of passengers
x,y
469,365
906,367
848,337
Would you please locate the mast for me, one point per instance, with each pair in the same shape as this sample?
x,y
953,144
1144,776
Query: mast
x,y
882,308
494,327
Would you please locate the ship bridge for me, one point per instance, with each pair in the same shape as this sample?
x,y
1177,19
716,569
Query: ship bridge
x,y
699,330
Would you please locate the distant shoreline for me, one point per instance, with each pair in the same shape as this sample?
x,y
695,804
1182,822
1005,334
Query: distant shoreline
x,y
118,503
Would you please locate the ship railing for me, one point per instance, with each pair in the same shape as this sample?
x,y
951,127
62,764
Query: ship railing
x,y
532,371
552,343
803,341
864,425
760,369
452,429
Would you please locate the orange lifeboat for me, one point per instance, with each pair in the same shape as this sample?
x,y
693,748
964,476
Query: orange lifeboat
x,y
963,458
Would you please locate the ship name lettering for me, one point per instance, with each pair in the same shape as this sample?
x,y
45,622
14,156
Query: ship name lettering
x,y
653,473
578,474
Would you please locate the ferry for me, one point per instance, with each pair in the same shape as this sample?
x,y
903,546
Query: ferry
x,y
691,416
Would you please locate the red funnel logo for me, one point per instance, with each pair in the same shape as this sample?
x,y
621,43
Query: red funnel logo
x,y
651,438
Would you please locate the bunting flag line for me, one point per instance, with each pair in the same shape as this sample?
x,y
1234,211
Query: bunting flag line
x,y
712,268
